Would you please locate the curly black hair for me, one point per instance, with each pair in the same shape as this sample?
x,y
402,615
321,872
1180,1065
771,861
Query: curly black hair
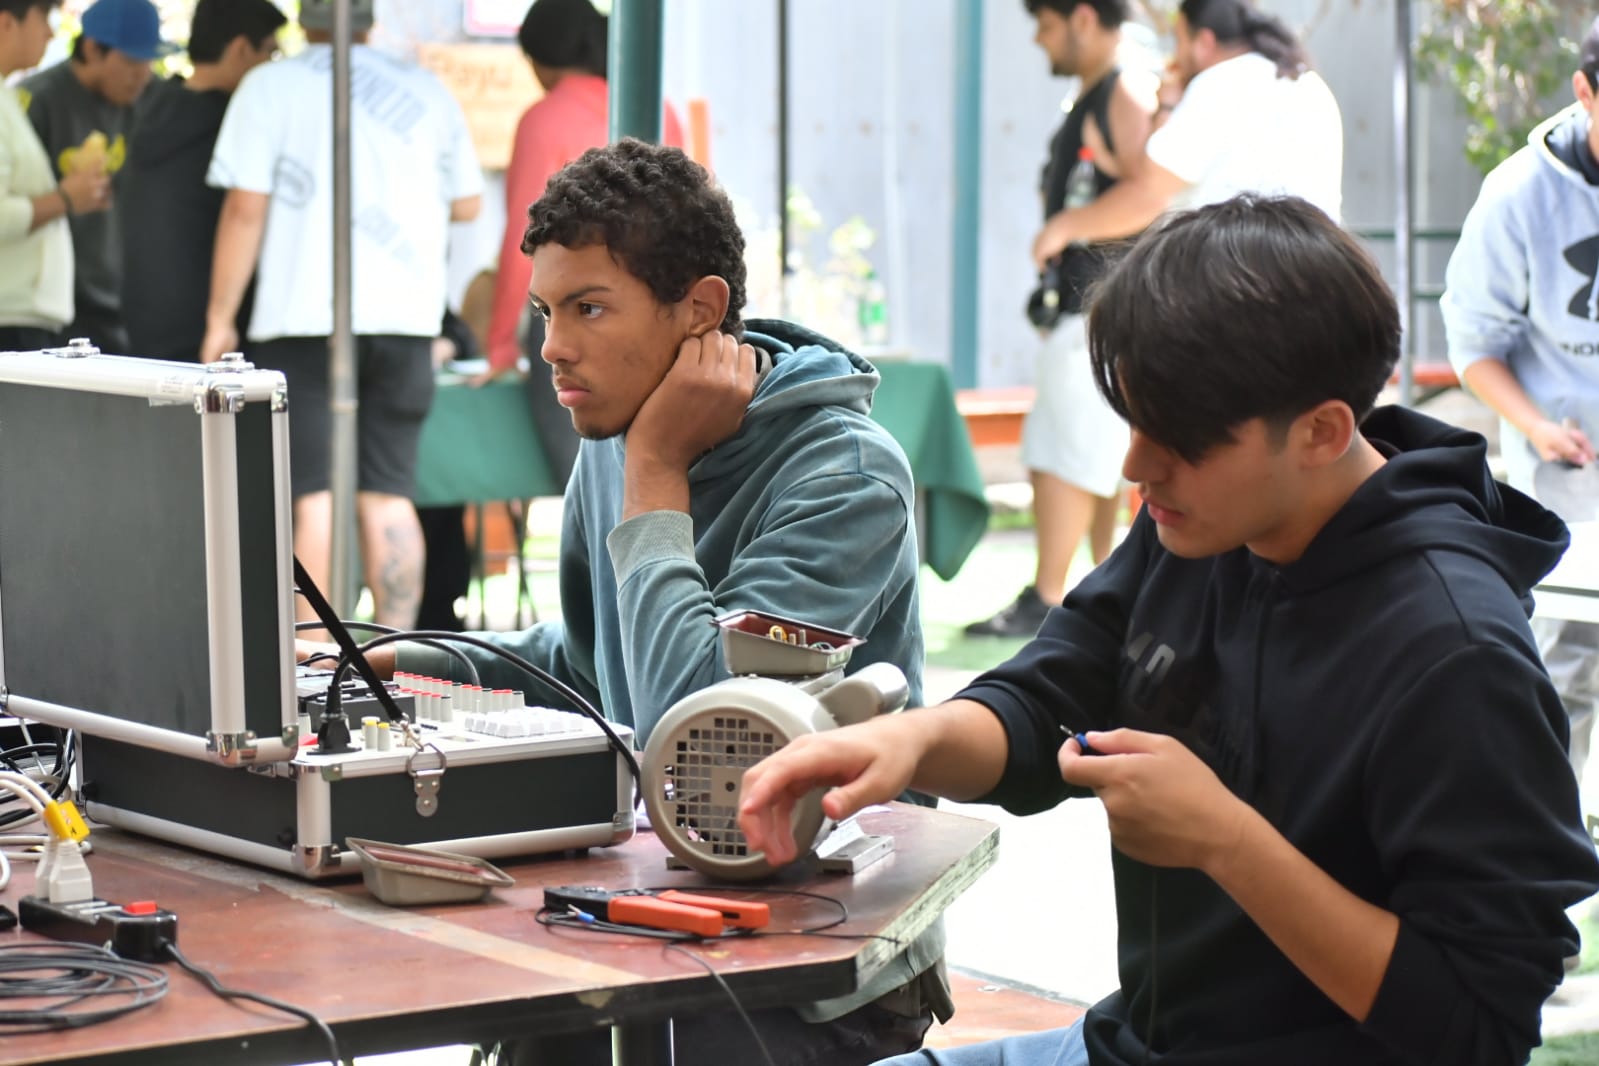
x,y
656,210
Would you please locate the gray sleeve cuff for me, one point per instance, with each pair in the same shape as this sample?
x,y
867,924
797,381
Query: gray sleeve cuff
x,y
649,537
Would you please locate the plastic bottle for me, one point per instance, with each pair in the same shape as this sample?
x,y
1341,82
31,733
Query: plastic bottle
x,y
872,311
1082,181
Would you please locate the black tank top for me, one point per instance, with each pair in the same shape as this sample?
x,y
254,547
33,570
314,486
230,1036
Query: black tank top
x,y
1078,267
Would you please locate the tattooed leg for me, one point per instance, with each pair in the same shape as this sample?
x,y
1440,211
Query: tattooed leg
x,y
394,552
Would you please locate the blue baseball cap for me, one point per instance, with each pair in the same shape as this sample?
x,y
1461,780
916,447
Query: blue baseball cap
x,y
132,27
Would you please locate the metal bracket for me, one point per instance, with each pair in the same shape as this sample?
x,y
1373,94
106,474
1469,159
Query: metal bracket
x,y
333,773
291,737
427,781
231,748
228,362
857,855
315,858
849,849
219,398
77,348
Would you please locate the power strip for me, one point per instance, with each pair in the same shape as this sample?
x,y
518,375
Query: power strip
x,y
139,931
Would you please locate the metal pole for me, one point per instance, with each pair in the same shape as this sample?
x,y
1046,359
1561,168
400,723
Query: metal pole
x,y
1404,232
782,158
341,361
968,190
634,59
642,1044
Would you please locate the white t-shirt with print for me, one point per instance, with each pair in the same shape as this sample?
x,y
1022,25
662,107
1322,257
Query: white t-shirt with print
x,y
411,155
1241,128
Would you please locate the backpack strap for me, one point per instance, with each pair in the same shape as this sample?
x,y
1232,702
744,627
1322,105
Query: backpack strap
x,y
1098,104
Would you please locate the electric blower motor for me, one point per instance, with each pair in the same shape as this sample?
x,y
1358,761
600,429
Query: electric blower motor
x,y
790,683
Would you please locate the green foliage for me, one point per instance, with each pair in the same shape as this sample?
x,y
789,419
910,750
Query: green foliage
x,y
1507,60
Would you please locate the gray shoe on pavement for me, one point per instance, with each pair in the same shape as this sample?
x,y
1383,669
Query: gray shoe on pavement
x,y
1021,619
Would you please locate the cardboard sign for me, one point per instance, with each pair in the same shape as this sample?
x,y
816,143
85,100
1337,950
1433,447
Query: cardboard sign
x,y
494,84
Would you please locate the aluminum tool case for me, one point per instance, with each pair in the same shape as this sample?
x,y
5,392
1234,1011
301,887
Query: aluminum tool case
x,y
146,601
146,581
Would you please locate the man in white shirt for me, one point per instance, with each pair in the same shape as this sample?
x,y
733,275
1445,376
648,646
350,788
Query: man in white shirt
x,y
413,173
1253,118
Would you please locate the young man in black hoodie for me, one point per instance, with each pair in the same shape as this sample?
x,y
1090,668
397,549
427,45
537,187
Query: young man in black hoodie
x,y
168,213
1334,768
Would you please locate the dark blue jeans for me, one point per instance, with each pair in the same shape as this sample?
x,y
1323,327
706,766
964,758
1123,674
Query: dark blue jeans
x,y
1055,1047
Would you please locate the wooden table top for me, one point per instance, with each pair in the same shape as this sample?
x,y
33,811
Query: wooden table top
x,y
390,978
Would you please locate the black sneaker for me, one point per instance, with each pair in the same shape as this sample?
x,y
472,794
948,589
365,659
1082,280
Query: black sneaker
x,y
1020,619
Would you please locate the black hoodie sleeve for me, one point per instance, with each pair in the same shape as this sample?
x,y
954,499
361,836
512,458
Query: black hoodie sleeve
x,y
1474,814
1064,680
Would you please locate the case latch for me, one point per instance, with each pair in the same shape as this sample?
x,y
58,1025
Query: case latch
x,y
426,781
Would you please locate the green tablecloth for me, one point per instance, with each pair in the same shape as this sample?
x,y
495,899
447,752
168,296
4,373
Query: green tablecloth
x,y
916,404
479,445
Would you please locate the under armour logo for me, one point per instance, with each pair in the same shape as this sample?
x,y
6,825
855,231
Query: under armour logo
x,y
1584,257
1159,660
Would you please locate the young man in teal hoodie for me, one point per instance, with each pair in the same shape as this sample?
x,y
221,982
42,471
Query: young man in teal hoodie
x,y
724,466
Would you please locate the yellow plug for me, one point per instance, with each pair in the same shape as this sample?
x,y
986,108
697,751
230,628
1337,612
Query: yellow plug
x,y
64,821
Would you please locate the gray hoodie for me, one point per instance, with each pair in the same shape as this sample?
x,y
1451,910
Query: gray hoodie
x,y
1521,285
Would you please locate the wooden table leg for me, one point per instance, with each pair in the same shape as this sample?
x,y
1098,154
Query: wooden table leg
x,y
642,1044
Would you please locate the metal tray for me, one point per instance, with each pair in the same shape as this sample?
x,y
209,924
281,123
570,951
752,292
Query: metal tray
x,y
751,645
403,875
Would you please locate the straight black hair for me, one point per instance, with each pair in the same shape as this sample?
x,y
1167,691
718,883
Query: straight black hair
x,y
1589,51
19,9
217,22
1112,13
1235,21
1251,308
566,33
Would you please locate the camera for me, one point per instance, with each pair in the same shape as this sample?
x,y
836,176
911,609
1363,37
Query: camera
x,y
1044,305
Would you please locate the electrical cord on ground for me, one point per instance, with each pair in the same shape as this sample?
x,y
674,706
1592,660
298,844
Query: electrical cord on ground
x,y
210,981
70,986
561,688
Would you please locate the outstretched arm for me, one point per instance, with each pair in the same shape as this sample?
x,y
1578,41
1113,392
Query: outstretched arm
x,y
1126,208
955,750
